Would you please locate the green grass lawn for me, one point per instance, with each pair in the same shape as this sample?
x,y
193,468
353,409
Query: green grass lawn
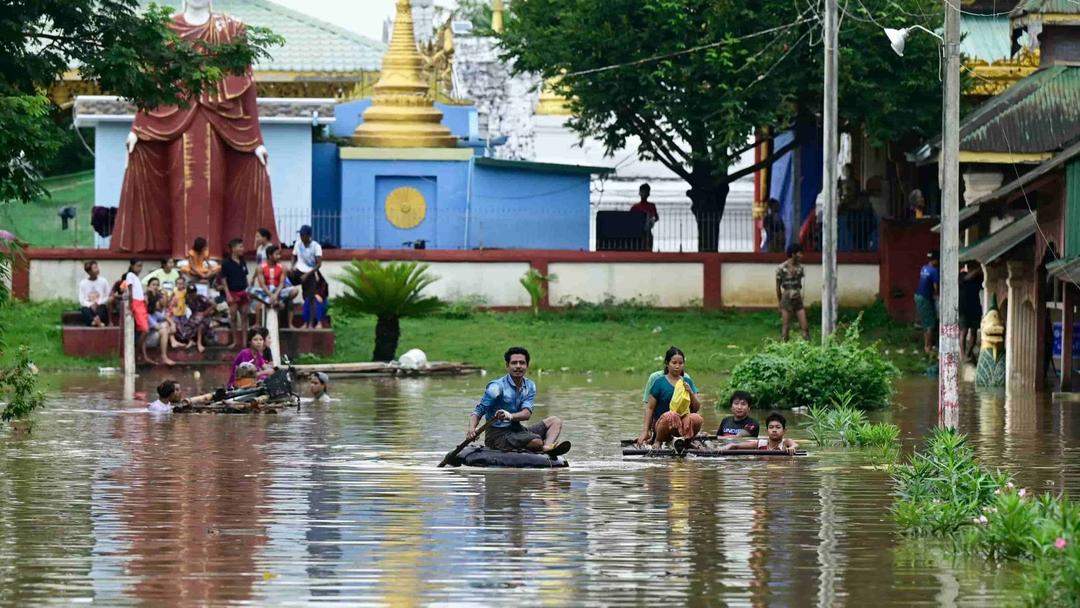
x,y
580,339
37,223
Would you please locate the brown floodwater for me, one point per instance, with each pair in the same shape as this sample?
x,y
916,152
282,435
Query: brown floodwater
x,y
342,503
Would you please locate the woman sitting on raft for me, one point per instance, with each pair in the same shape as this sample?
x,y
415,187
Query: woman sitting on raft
x,y
253,354
673,404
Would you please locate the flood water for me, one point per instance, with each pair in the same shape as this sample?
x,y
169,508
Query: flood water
x,y
342,503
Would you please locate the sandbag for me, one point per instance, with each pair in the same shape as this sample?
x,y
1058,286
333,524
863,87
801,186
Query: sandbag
x,y
476,456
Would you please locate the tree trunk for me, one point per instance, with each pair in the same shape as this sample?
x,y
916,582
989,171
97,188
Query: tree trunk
x,y
708,196
387,332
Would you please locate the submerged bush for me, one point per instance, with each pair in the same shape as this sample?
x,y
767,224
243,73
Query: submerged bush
x,y
840,424
944,491
803,374
19,395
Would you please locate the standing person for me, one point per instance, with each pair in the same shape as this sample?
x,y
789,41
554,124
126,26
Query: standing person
x,y
789,284
166,275
139,312
509,402
169,394
647,209
307,259
925,300
234,273
262,241
970,310
673,405
773,226
94,296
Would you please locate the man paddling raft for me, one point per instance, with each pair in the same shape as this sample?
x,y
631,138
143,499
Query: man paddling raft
x,y
508,401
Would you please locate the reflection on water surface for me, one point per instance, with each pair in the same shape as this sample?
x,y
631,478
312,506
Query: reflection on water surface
x,y
342,503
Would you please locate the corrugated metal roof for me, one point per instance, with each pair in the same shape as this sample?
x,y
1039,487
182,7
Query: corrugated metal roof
x,y
310,45
986,37
1067,7
1000,242
1054,163
1040,113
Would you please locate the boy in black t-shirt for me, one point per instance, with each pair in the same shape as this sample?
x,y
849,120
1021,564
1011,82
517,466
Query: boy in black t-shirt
x,y
739,424
234,275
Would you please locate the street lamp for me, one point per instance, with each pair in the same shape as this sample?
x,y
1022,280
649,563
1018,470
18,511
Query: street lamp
x,y
949,170
898,38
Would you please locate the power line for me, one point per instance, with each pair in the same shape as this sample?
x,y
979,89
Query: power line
x,y
695,49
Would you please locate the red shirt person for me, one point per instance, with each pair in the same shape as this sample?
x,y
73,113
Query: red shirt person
x,y
648,210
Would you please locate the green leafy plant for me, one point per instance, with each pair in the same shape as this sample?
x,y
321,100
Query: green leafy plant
x,y
786,375
536,284
944,492
390,292
840,424
10,253
18,388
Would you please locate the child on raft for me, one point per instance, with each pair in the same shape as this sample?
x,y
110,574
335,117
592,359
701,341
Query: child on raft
x,y
776,426
672,409
739,423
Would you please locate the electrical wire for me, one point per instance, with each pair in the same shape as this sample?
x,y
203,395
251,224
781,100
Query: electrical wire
x,y
686,51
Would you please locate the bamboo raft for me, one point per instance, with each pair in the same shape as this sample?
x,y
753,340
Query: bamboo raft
x,y
379,369
700,448
262,404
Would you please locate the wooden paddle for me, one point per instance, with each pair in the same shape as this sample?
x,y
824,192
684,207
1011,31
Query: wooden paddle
x,y
450,456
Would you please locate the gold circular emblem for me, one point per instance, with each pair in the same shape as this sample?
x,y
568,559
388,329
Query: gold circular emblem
x,y
405,207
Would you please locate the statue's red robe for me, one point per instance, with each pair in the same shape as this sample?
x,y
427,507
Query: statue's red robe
x,y
193,171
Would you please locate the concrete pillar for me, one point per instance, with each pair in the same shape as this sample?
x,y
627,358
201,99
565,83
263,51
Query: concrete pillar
x,y
1068,300
1021,329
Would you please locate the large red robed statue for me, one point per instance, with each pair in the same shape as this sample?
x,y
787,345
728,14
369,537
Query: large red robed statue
x,y
199,170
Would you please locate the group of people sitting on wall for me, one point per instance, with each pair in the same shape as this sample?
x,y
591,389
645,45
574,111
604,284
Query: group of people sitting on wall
x,y
179,304
671,413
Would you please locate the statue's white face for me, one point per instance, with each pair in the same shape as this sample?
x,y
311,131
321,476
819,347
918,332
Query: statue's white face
x,y
197,4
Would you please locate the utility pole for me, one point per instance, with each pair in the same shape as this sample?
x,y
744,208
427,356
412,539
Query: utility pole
x,y
831,134
948,304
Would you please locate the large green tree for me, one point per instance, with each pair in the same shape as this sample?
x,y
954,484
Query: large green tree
x,y
695,78
125,50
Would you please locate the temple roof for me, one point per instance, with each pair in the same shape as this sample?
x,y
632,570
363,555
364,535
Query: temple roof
x,y
1034,118
1046,7
311,45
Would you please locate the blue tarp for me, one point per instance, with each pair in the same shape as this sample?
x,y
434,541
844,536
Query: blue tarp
x,y
781,187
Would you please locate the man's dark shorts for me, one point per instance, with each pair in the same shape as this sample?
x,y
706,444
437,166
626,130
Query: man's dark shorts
x,y
513,437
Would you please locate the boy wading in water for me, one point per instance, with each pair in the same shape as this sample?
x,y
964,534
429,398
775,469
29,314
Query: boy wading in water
x,y
789,284
509,401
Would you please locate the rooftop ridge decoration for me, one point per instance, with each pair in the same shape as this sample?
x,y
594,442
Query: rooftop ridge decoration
x,y
403,114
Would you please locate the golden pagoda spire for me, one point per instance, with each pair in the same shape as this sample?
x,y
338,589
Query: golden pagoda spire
x,y
402,114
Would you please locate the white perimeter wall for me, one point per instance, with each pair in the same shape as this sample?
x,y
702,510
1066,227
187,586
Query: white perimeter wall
x,y
745,285
668,284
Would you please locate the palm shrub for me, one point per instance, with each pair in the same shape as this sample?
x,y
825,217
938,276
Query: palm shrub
x,y
786,375
840,424
535,283
390,292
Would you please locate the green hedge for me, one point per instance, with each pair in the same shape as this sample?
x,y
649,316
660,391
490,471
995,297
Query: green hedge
x,y
803,374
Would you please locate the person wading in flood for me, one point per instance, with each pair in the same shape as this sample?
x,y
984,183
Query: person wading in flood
x,y
509,401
